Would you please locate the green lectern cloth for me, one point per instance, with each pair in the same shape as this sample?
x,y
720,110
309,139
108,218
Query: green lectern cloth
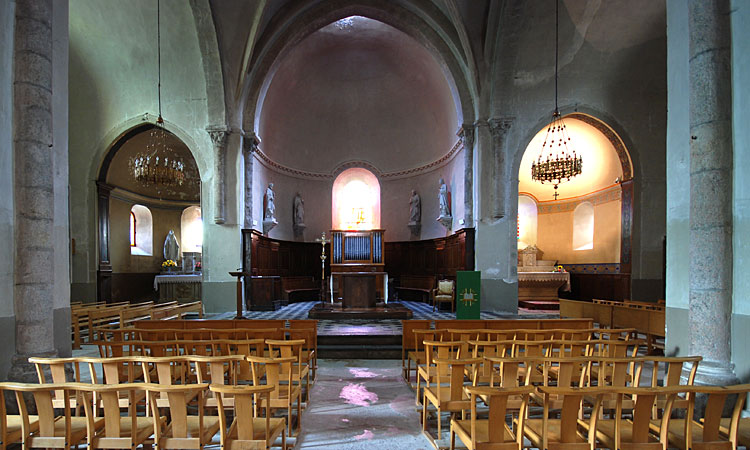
x,y
467,294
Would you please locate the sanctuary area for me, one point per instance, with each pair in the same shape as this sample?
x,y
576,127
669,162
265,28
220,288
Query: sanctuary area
x,y
227,220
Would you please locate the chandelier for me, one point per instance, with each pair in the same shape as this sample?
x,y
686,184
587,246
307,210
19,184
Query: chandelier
x,y
556,162
158,164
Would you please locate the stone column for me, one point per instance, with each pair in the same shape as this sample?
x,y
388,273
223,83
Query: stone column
x,y
219,138
498,130
33,185
250,144
711,189
466,133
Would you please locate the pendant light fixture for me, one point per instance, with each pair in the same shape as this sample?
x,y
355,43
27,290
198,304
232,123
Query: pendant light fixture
x,y
556,163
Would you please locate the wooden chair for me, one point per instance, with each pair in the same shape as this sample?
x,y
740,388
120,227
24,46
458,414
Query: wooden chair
x,y
52,431
300,370
246,430
11,431
493,432
409,345
429,372
311,351
56,367
447,397
184,431
445,292
619,433
120,431
706,434
418,355
673,367
220,371
563,433
285,392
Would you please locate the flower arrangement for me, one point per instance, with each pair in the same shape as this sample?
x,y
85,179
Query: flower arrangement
x,y
198,266
168,263
560,269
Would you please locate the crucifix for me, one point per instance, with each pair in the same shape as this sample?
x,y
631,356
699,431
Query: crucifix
x,y
556,193
323,241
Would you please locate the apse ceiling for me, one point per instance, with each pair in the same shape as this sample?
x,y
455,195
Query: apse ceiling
x,y
119,174
358,89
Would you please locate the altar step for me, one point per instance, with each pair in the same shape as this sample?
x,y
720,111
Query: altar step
x,y
540,305
359,346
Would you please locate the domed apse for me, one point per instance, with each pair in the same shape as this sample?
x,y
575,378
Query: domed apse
x,y
358,89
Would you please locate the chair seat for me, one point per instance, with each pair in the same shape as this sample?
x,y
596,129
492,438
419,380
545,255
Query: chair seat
x,y
676,431
77,430
463,430
194,431
442,399
144,429
743,433
276,427
14,432
605,433
534,429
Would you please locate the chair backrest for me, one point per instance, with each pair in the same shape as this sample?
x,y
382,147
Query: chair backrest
x,y
644,401
109,395
718,399
572,403
508,371
43,394
408,341
497,402
454,369
243,412
445,287
276,370
176,435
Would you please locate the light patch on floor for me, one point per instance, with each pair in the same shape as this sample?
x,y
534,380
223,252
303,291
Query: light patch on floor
x,y
366,435
362,373
357,394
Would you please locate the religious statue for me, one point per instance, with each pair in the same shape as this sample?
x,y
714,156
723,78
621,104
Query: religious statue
x,y
171,247
415,208
299,210
444,218
269,215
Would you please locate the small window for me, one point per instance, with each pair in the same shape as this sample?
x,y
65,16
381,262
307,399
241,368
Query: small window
x,y
583,227
141,231
192,229
132,229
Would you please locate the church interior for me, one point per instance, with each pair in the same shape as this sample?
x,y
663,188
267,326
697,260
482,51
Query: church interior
x,y
269,182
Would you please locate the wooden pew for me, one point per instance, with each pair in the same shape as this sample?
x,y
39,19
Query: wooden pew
x,y
416,286
299,288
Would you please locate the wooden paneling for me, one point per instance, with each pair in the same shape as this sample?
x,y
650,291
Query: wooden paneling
x,y
273,257
587,286
133,287
440,257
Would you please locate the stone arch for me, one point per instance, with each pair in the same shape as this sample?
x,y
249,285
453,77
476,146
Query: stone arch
x,y
431,30
212,68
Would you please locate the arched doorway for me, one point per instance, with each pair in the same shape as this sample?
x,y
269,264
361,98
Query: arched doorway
x,y
135,215
355,200
587,228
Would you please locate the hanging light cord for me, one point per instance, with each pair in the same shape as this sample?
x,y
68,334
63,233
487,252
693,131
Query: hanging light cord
x,y
158,52
557,38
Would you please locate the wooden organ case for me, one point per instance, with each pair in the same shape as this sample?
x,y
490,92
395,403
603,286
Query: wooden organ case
x,y
358,278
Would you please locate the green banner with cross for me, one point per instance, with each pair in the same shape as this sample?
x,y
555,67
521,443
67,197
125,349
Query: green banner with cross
x,y
467,294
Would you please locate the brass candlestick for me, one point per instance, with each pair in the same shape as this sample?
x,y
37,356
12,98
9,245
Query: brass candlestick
x,y
323,241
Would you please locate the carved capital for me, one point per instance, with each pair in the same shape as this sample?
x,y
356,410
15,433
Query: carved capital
x,y
250,143
218,136
499,127
466,134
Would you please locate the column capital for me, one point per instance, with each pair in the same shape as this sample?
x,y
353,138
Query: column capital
x,y
218,136
499,126
250,142
466,134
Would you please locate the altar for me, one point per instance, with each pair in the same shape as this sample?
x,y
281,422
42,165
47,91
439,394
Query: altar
x,y
183,288
539,281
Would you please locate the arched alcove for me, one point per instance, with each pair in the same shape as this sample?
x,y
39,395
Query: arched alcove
x,y
191,228
141,231
582,228
355,200
527,221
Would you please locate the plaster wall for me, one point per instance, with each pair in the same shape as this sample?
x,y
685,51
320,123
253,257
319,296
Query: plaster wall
x,y
740,20
61,232
112,84
555,236
596,78
678,178
394,201
7,316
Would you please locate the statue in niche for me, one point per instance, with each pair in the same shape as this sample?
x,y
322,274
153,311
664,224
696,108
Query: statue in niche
x,y
299,210
269,214
444,218
171,247
415,208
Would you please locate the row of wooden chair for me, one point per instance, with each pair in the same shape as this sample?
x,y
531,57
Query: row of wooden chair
x,y
579,423
413,348
92,318
188,425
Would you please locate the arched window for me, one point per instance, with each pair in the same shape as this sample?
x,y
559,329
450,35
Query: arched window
x,y
191,229
583,227
141,227
527,221
356,200
132,229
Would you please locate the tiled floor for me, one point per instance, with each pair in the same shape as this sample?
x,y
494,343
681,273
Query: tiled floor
x,y
373,327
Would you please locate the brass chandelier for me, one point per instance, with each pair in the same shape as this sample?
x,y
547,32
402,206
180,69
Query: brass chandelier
x,y
559,164
158,165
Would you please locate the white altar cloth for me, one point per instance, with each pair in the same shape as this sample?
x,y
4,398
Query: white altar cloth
x,y
187,278
540,277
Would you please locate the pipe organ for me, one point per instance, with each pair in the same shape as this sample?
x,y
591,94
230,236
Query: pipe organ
x,y
355,255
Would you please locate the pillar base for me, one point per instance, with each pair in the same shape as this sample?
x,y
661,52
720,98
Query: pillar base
x,y
22,371
715,373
